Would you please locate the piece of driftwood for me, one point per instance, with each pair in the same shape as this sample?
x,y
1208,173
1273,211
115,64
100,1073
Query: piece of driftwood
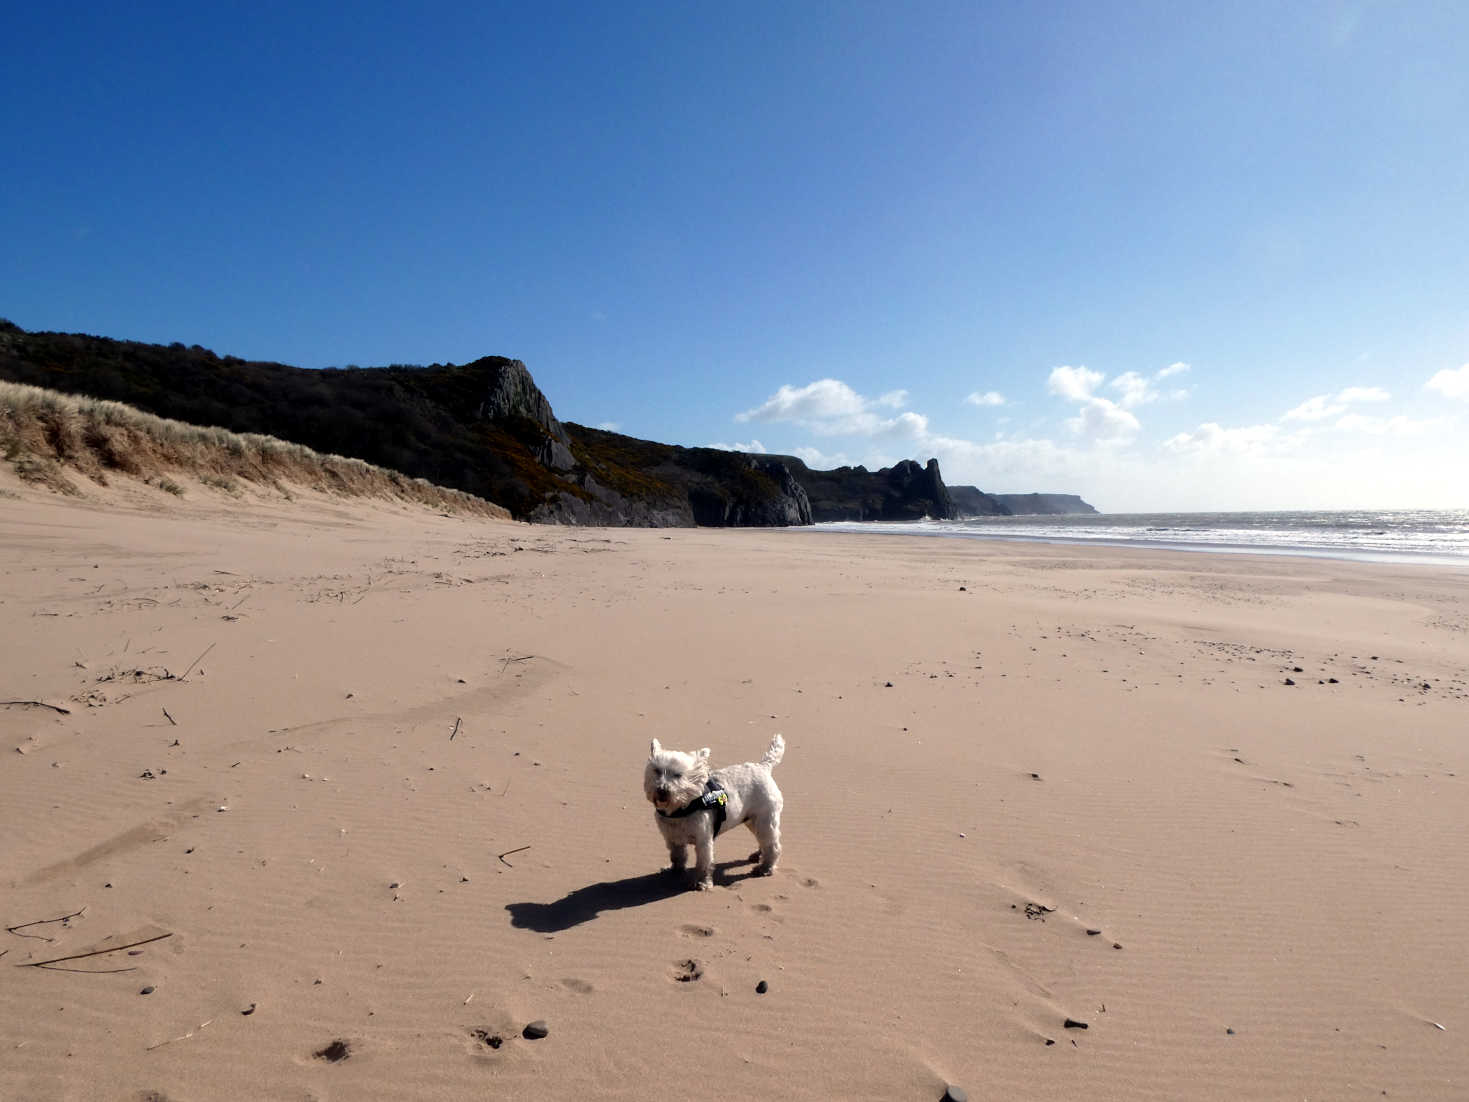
x,y
508,852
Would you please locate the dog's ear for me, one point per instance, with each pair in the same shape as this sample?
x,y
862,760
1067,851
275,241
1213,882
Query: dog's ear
x,y
655,749
703,755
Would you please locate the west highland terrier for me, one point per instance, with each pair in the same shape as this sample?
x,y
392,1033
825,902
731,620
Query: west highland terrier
x,y
693,805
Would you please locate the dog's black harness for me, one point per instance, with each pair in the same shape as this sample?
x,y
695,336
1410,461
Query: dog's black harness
x,y
713,799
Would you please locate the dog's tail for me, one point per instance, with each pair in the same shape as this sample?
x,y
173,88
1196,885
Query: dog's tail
x,y
777,751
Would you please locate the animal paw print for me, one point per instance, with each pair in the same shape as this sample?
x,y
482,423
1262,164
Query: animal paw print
x,y
687,971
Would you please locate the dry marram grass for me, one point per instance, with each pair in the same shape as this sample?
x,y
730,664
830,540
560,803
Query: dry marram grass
x,y
44,433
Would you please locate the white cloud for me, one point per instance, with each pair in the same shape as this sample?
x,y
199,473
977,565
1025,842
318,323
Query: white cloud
x,y
905,425
820,460
1105,422
1318,408
1323,407
1451,384
1213,439
831,408
1137,390
754,446
610,426
1384,426
1075,383
893,399
1363,394
821,400
988,398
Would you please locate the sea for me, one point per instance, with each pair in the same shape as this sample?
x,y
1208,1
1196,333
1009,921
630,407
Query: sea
x,y
1426,536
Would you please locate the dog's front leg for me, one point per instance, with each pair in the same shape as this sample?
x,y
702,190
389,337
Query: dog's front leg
x,y
678,857
704,861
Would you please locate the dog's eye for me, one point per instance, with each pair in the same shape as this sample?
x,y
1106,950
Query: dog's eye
x,y
674,776
657,772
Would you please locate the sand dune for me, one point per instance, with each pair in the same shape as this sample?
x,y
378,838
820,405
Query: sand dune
x,y
1023,786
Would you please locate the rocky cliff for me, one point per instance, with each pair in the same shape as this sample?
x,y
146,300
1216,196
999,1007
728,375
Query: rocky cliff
x,y
484,427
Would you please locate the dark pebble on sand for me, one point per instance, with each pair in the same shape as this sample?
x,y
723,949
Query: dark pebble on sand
x,y
954,1094
1093,933
1288,681
962,589
1332,681
1230,1032
147,990
1296,669
535,1031
888,685
762,987
1072,1023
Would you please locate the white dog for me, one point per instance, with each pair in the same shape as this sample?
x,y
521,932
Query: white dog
x,y
693,805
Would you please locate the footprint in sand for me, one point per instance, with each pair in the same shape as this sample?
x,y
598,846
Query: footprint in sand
x,y
763,908
334,1053
581,987
687,971
690,930
485,1038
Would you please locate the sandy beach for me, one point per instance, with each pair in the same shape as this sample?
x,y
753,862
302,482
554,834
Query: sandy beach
x,y
340,796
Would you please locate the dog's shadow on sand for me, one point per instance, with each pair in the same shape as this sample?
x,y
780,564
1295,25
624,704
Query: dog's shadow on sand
x,y
585,904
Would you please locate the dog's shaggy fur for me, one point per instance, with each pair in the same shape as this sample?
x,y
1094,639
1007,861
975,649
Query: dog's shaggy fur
x,y
673,779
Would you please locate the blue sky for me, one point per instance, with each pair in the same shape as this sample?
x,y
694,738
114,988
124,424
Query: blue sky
x,y
1168,256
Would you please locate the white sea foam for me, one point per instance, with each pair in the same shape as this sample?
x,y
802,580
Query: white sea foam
x,y
1439,536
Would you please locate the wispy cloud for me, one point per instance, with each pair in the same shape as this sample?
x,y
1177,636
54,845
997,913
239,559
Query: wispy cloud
x,y
1139,390
754,446
610,426
1323,407
988,398
1075,383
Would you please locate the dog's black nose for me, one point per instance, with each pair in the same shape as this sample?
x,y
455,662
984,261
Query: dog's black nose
x,y
663,793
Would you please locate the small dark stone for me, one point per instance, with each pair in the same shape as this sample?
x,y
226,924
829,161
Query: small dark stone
x,y
1296,669
888,685
962,589
1035,776
1230,1032
1093,933
1072,1023
535,1030
1049,1041
147,990
1117,945
954,1093
1332,681
248,1010
762,987
1288,681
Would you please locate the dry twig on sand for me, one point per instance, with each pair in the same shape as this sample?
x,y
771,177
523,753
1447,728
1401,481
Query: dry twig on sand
x,y
504,664
36,704
170,718
16,930
508,852
181,1037
457,721
196,661
95,952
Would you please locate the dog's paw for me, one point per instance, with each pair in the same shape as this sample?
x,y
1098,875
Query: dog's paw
x,y
704,885
765,870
